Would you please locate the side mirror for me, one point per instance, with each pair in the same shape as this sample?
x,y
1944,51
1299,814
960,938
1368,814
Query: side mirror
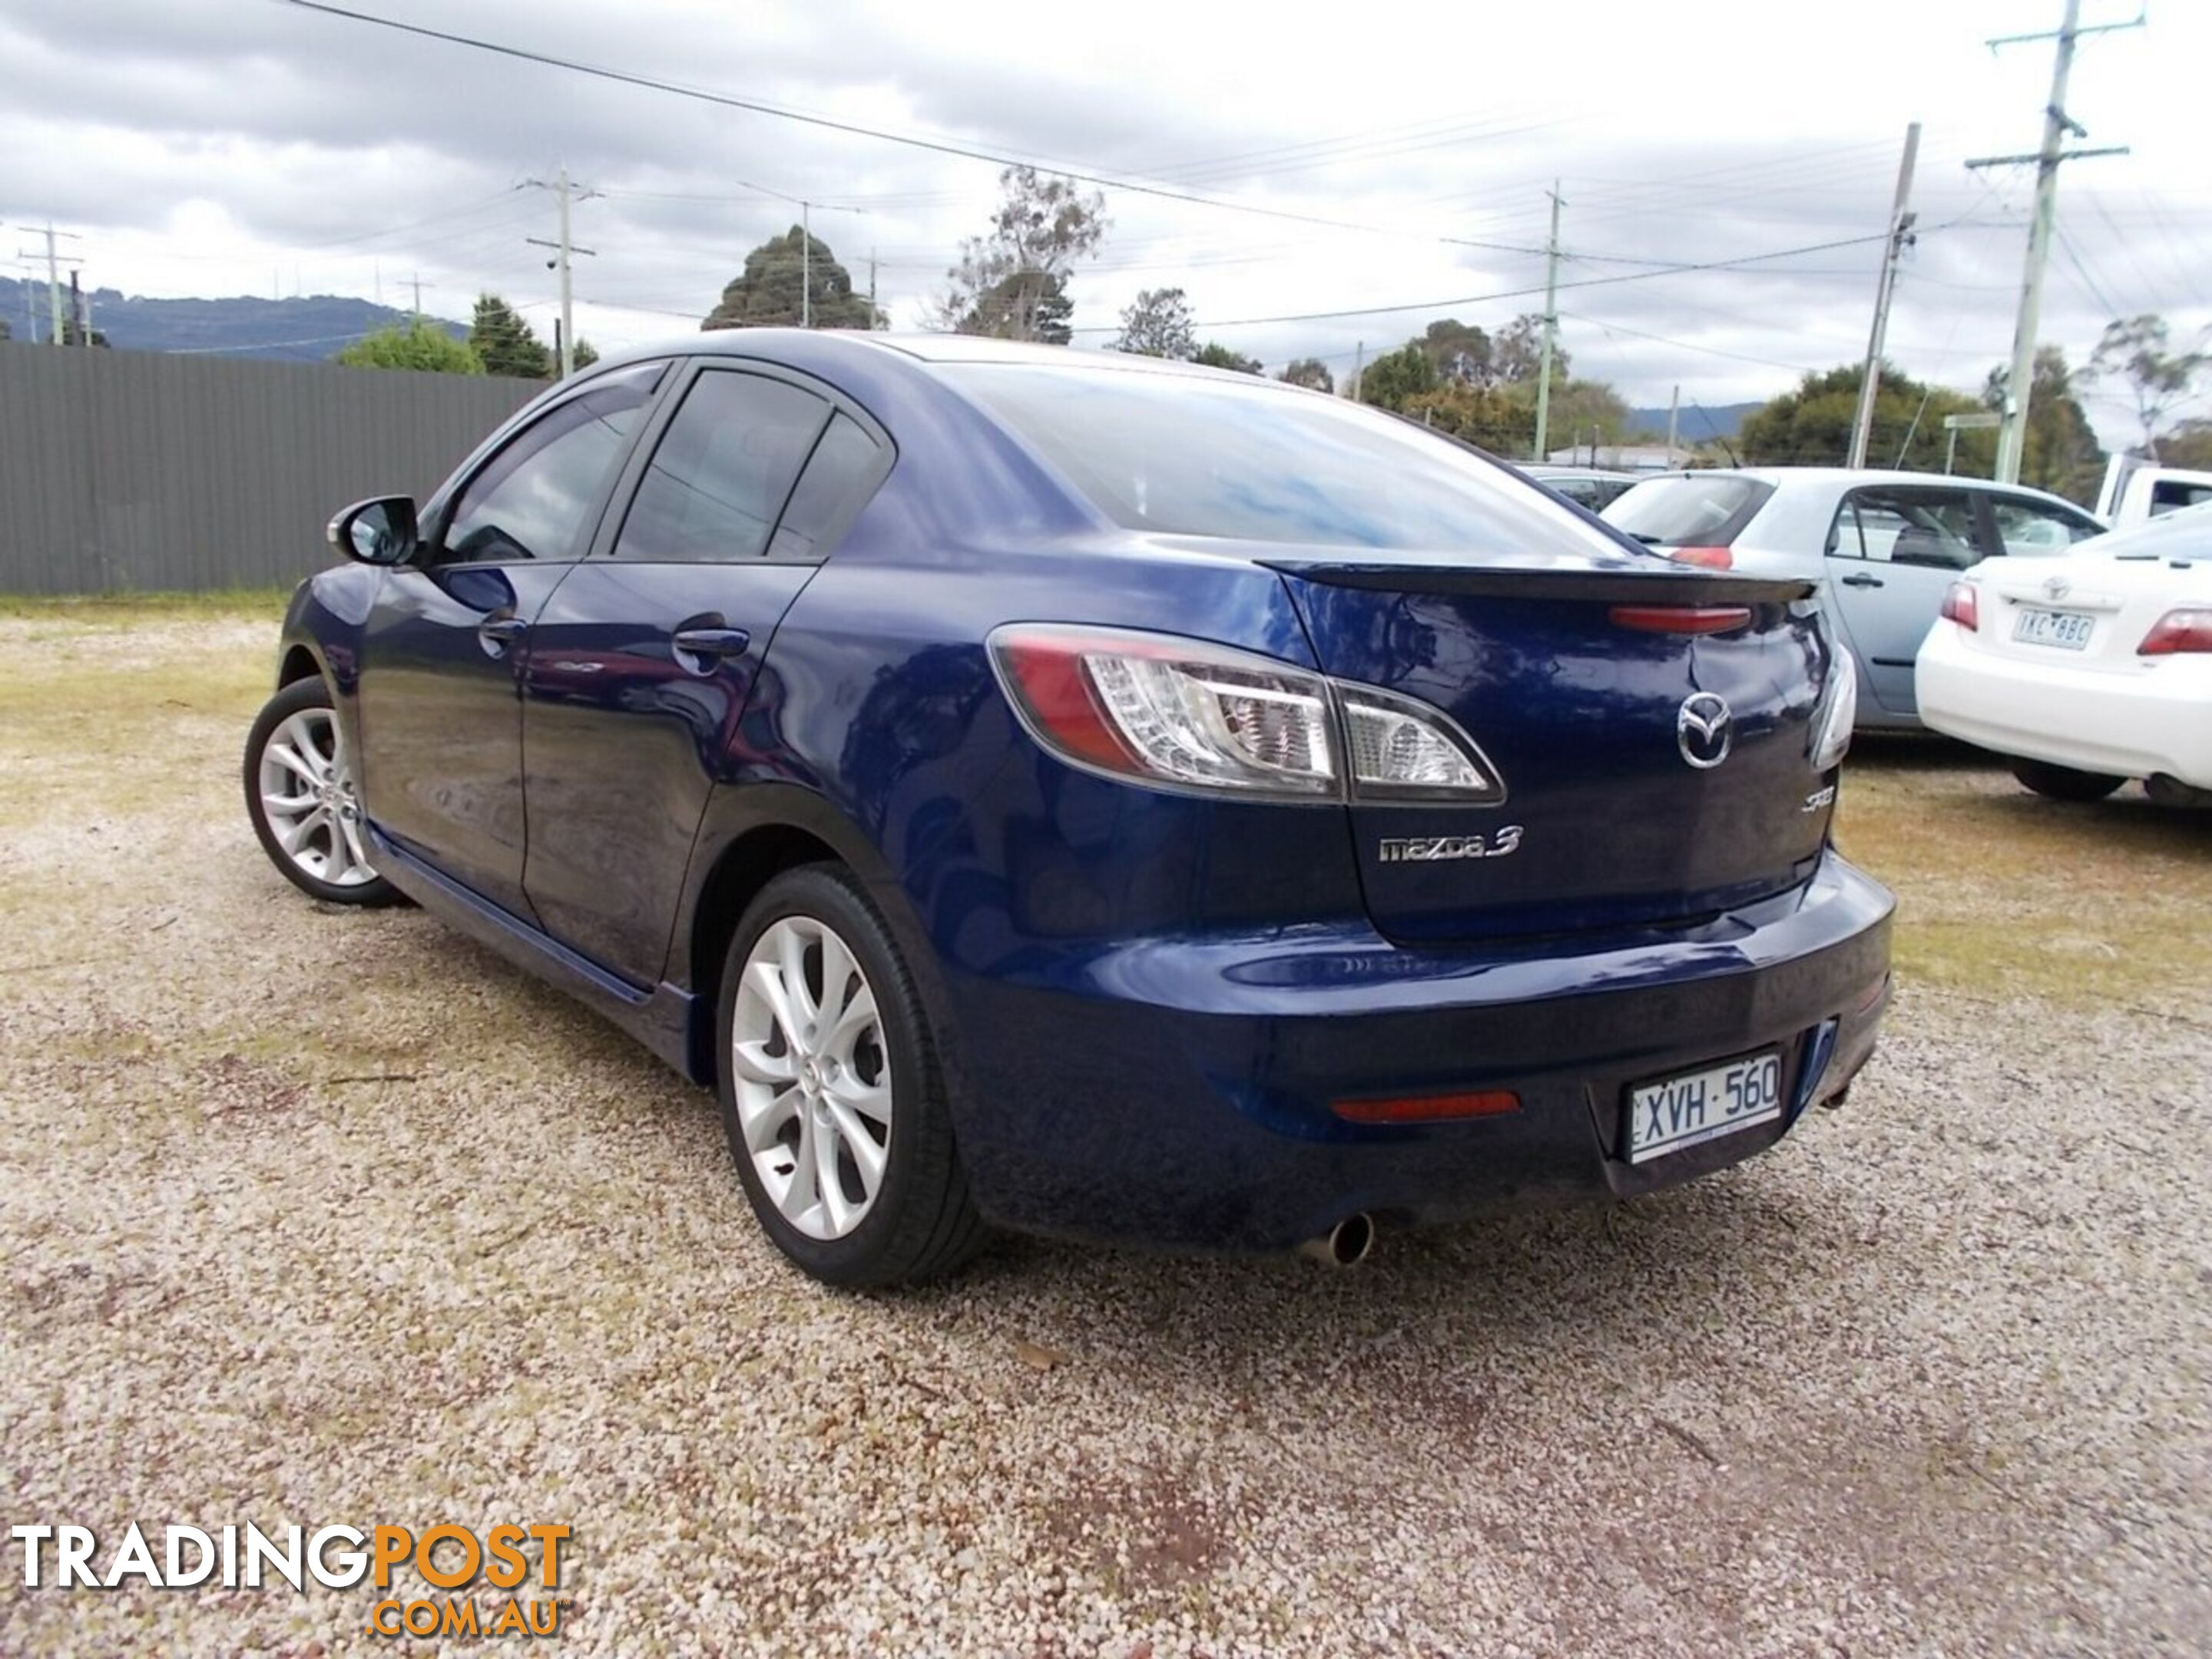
x,y
380,530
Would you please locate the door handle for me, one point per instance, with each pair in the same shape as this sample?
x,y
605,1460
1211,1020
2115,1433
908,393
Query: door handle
x,y
496,633
1862,581
699,649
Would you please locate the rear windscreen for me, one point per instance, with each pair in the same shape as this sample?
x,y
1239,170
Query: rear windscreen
x,y
1689,510
1189,455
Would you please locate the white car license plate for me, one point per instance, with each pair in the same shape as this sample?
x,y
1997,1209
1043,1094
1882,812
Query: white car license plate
x,y
1683,1111
2067,629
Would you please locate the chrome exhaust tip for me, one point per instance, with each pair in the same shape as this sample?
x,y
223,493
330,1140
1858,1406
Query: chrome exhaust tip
x,y
1344,1245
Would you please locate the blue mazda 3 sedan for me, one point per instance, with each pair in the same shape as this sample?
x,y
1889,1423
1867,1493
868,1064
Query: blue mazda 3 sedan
x,y
1089,795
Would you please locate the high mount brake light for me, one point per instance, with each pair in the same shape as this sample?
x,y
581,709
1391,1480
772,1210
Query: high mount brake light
x,y
1681,618
1185,713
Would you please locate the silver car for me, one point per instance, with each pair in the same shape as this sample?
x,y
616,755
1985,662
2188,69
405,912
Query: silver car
x,y
1884,547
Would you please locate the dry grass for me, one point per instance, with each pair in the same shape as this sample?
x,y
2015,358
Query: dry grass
x,y
315,1215
2002,893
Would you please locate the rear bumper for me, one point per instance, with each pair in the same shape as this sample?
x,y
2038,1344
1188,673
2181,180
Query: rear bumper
x,y
2130,724
1177,1092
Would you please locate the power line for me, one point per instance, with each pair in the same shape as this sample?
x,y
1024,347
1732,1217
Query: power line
x,y
939,146
1518,292
1602,326
2073,258
263,345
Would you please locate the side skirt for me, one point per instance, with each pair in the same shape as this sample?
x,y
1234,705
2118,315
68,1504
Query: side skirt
x,y
661,1019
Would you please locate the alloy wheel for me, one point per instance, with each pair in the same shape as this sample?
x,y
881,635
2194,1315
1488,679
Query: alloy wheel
x,y
307,794
813,1077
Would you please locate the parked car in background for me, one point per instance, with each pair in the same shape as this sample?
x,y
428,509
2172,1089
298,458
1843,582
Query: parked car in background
x,y
2086,671
1092,795
2136,489
1883,547
1586,486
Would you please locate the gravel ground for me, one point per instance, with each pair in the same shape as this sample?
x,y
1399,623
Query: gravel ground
x,y
312,1216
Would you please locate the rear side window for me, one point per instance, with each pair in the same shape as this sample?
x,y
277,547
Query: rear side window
x,y
1187,455
2033,530
1692,509
722,471
846,467
1935,528
2171,496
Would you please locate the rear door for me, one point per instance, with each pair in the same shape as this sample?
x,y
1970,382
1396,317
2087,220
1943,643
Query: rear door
x,y
444,640
1895,550
642,662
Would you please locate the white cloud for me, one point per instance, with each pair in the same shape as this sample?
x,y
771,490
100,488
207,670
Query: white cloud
x,y
205,146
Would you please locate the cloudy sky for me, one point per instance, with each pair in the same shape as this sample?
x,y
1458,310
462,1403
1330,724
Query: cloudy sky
x,y
209,147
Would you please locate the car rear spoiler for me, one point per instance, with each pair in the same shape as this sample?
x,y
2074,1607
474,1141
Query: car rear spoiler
x,y
1654,581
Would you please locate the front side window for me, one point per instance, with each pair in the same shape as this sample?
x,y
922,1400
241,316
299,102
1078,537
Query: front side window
x,y
722,470
532,501
1933,528
2031,530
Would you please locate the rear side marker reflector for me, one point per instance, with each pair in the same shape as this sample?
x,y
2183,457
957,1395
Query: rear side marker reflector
x,y
1427,1108
1682,618
1875,993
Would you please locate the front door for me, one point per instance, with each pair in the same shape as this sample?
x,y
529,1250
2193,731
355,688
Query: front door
x,y
641,666
441,651
1894,551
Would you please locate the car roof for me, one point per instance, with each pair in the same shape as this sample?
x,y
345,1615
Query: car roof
x,y
1834,480
1853,478
931,349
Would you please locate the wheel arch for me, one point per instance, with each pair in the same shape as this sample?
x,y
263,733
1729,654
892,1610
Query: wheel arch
x,y
300,663
753,833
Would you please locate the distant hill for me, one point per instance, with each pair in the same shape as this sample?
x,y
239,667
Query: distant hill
x,y
306,328
1692,426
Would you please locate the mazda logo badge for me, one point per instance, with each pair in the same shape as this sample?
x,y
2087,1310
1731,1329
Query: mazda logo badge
x,y
1704,728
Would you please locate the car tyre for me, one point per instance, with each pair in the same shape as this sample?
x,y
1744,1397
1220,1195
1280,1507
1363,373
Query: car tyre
x,y
833,1100
2063,782
300,795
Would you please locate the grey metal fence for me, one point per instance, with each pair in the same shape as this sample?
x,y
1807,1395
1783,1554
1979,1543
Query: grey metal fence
x,y
130,471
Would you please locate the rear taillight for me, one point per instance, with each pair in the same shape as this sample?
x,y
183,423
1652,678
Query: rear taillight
x,y
1962,605
1184,714
1831,731
1713,558
2187,629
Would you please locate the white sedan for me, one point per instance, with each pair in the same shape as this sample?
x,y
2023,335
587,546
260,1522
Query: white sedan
x,y
2087,670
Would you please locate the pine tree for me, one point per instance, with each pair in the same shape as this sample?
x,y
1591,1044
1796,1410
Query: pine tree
x,y
504,343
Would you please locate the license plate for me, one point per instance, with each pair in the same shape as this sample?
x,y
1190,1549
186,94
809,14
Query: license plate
x,y
1700,1106
2067,629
